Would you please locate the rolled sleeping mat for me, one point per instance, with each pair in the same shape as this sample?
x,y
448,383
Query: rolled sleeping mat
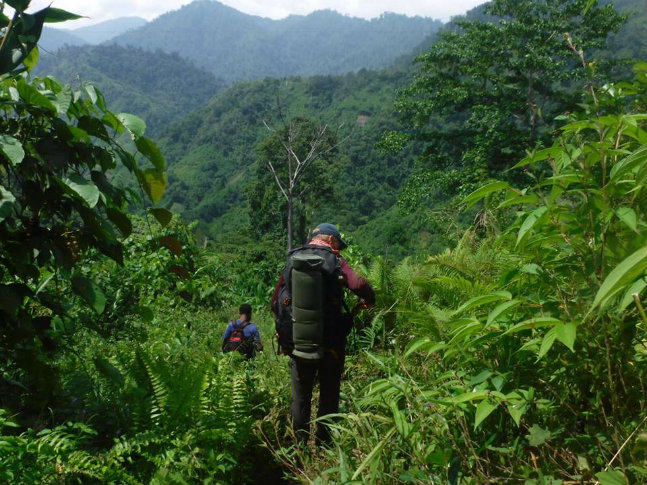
x,y
307,306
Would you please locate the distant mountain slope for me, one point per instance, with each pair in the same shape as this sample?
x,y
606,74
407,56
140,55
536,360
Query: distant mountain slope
x,y
157,86
211,154
236,46
103,31
53,39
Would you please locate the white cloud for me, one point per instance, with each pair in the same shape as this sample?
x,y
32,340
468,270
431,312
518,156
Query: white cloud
x,y
101,10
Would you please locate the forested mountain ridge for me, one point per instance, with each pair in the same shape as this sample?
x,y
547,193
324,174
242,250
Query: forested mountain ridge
x,y
236,46
212,158
157,86
516,353
52,38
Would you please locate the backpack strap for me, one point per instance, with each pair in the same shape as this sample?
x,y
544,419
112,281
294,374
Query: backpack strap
x,y
238,325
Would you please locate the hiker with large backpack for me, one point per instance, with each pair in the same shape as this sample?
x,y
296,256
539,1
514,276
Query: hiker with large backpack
x,y
242,335
312,323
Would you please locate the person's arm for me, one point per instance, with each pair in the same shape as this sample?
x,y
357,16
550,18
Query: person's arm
x,y
356,283
275,296
228,330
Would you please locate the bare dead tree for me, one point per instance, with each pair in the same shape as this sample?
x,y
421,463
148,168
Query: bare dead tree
x,y
297,164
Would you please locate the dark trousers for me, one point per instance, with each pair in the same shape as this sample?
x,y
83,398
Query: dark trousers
x,y
304,373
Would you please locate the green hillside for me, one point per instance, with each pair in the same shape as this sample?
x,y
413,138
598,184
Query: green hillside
x,y
493,195
211,152
212,158
235,46
156,86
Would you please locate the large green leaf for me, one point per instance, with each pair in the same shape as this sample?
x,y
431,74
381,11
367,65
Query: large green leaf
x,y
12,149
84,188
400,420
612,477
483,300
163,216
537,435
154,183
628,216
637,288
7,201
121,220
18,5
622,275
533,323
629,163
134,124
32,96
483,410
566,333
53,15
547,343
529,222
31,59
90,292
147,148
502,309
481,192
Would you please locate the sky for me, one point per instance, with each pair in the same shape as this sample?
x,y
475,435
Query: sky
x,y
101,10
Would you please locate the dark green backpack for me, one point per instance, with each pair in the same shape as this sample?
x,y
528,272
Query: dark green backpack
x,y
301,312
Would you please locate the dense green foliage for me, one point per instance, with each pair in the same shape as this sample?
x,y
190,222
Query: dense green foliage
x,y
235,46
135,80
516,355
212,156
532,358
487,91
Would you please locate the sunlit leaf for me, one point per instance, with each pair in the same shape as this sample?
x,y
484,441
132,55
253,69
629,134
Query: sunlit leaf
x,y
483,300
400,420
629,163
469,396
32,96
628,216
516,412
154,183
530,222
481,192
7,201
11,148
31,59
566,333
624,274
84,188
134,124
533,323
483,410
547,343
637,288
612,477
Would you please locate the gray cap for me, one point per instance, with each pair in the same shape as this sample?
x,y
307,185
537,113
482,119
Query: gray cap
x,y
329,229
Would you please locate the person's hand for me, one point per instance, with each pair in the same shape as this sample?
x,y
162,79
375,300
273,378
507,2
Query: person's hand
x,y
364,305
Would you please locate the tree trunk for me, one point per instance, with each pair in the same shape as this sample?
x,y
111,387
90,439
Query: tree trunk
x,y
290,212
